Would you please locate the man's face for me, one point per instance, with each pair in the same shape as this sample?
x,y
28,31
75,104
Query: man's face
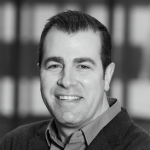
x,y
71,75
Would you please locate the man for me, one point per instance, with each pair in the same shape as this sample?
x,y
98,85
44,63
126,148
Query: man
x,y
75,73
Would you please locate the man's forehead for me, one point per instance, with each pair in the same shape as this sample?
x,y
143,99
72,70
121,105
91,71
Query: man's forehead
x,y
83,44
81,37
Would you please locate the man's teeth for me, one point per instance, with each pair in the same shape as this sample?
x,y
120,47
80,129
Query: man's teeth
x,y
69,97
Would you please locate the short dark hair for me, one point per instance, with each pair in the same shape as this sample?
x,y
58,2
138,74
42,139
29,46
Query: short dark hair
x,y
74,21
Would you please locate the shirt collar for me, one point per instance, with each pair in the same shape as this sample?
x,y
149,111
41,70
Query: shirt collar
x,y
51,133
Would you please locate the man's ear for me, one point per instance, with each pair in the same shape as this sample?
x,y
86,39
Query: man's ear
x,y
108,75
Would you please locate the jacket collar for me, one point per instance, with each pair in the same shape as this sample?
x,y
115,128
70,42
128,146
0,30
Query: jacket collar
x,y
116,130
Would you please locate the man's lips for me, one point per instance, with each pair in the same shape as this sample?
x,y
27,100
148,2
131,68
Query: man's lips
x,y
68,97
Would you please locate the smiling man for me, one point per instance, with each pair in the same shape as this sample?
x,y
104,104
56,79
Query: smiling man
x,y
75,73
72,79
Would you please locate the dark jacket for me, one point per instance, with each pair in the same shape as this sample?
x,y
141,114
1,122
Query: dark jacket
x,y
120,134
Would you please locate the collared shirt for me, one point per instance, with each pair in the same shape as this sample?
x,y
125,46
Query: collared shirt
x,y
82,138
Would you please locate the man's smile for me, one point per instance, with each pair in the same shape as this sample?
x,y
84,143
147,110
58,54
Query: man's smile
x,y
68,97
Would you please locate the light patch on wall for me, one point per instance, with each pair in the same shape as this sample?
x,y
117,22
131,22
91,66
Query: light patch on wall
x,y
1,23
26,23
8,22
138,102
24,97
100,12
139,30
6,97
118,25
41,13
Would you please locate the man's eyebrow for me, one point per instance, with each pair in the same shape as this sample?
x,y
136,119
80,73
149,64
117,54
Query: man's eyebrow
x,y
55,59
84,59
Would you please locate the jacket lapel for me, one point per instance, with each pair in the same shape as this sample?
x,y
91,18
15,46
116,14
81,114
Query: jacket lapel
x,y
116,130
112,134
99,143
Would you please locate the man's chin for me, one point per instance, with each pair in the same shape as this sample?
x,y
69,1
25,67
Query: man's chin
x,y
70,120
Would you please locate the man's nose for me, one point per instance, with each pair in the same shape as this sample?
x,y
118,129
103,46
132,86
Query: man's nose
x,y
67,78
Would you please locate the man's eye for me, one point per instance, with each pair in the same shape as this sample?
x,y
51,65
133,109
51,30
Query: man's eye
x,y
83,67
54,67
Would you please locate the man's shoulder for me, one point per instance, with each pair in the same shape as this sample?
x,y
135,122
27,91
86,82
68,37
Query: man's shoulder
x,y
22,134
137,137
124,132
29,129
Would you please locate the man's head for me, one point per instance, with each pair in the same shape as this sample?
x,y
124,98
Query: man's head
x,y
73,82
72,22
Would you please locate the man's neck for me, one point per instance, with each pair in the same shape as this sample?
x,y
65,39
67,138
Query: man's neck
x,y
105,105
64,133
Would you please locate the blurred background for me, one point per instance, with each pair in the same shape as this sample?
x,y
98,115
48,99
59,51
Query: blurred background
x,y
21,23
